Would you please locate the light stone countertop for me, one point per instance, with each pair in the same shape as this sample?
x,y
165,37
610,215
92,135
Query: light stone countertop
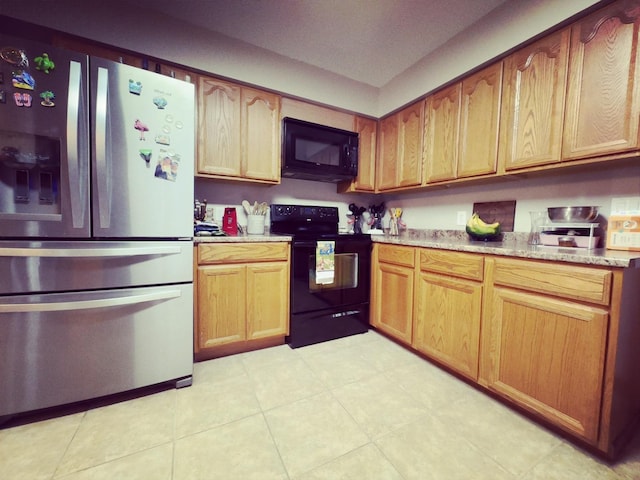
x,y
512,245
267,237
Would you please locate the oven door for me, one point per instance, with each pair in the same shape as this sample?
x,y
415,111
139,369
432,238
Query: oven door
x,y
346,284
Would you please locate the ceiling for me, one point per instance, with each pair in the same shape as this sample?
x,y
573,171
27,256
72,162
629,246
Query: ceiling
x,y
370,41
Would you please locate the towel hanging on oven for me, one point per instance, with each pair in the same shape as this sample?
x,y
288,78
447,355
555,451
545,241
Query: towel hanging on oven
x,y
325,262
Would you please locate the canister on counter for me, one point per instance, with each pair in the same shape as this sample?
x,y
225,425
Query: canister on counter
x,y
230,221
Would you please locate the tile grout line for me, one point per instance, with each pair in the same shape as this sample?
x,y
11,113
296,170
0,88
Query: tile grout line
x,y
66,450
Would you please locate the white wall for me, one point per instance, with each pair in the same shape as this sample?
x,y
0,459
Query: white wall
x,y
438,209
290,191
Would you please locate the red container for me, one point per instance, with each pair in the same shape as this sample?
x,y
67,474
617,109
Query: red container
x,y
230,221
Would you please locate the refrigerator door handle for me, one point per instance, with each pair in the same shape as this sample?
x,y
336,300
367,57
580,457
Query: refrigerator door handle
x,y
76,135
102,142
88,304
126,251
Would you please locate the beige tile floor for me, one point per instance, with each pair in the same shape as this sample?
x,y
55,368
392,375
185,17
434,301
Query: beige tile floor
x,y
360,408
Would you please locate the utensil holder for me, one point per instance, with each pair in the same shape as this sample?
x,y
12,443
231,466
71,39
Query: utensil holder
x,y
255,224
393,226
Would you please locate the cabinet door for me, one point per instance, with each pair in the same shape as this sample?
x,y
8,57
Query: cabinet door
x,y
218,127
603,99
367,130
388,153
221,305
533,101
479,122
260,135
410,131
392,300
447,321
442,118
267,299
547,355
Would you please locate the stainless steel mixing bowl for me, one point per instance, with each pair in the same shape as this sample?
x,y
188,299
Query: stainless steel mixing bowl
x,y
572,214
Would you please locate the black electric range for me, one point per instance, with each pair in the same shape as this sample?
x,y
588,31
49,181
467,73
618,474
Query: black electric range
x,y
329,274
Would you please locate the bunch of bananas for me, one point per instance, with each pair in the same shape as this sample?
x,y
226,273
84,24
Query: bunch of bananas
x,y
477,227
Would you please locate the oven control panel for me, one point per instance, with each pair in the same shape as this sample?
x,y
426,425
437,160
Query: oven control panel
x,y
304,213
306,220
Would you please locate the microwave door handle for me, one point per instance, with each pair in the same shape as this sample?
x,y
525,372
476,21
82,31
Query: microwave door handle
x,y
89,304
76,143
102,148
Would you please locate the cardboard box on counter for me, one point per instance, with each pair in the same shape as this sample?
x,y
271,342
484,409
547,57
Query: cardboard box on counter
x,y
623,231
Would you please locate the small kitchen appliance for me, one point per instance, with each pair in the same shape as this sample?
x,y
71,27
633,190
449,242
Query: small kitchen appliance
x,y
317,152
230,221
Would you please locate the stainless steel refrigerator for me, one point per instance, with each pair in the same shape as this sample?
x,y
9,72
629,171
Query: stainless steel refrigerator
x,y
96,255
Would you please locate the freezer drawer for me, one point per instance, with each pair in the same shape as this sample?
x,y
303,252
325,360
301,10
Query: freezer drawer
x,y
66,347
54,266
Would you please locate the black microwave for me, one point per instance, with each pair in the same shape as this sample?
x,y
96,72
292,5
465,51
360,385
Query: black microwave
x,y
317,152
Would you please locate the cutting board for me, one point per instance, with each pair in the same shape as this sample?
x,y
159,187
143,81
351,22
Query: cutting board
x,y
503,212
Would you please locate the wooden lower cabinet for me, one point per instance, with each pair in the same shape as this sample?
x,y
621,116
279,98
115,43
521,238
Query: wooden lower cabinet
x,y
242,297
222,305
392,290
556,339
547,355
550,344
400,149
447,309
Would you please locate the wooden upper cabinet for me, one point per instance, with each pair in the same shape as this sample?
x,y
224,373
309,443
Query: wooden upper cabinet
x,y
261,135
238,131
461,127
410,126
218,127
533,101
368,131
387,153
603,99
442,118
400,148
479,122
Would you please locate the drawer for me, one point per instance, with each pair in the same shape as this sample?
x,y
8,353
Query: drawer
x,y
242,252
567,281
455,264
397,255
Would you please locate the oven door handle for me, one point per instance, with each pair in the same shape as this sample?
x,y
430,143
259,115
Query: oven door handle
x,y
304,244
